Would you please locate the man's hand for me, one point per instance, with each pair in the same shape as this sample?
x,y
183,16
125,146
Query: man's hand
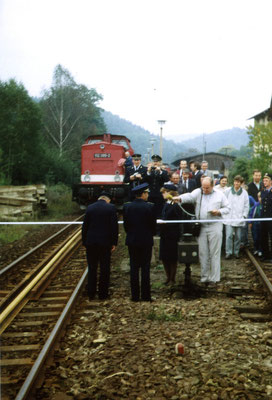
x,y
215,212
113,248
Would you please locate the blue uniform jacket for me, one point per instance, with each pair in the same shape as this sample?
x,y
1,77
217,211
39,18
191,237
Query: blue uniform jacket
x,y
266,196
139,223
100,225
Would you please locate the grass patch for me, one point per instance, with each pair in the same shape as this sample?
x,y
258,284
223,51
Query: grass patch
x,y
11,233
157,285
162,315
60,202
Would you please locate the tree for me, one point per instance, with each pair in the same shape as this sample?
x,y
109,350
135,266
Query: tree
x,y
70,111
260,138
261,142
241,167
20,123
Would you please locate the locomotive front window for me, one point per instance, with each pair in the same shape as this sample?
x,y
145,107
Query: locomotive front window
x,y
93,141
121,142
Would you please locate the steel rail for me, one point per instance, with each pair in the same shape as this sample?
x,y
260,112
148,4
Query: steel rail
x,y
265,280
5,313
31,251
33,375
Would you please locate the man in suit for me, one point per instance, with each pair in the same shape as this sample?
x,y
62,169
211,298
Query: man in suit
x,y
156,177
140,227
205,170
182,167
100,237
135,175
197,173
186,185
256,185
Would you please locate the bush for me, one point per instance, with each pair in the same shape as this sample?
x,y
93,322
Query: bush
x,y
60,201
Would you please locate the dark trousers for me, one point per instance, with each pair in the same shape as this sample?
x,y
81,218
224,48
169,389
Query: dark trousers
x,y
266,237
98,255
140,258
256,235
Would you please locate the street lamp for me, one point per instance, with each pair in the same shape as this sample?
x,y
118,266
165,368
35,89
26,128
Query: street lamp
x,y
148,154
161,123
152,141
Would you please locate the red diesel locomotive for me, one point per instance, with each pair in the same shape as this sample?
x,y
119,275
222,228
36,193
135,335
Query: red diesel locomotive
x,y
102,169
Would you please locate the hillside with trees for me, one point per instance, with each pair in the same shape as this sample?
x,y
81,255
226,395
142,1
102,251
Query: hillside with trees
x,y
140,139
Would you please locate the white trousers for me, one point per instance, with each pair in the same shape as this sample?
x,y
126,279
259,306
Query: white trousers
x,y
209,246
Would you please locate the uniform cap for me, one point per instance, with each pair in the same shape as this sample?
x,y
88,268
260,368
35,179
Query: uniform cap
x,y
266,175
140,188
136,156
170,186
107,194
156,157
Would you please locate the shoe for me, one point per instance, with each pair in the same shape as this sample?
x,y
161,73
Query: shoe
x,y
228,257
150,300
237,256
255,252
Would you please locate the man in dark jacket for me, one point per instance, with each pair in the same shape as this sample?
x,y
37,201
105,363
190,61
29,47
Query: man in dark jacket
x,y
156,177
100,237
140,227
256,185
135,175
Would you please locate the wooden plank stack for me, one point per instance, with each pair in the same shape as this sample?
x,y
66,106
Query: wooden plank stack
x,y
18,201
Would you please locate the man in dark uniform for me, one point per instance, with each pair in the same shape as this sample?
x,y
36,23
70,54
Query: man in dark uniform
x,y
140,227
100,237
136,174
266,212
156,177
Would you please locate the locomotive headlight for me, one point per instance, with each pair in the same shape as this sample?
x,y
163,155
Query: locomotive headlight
x,y
117,176
87,177
102,147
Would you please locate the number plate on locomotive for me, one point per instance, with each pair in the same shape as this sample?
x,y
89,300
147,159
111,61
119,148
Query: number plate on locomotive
x,y
102,155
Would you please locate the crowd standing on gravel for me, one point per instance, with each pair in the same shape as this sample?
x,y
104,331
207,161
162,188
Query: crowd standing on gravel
x,y
188,192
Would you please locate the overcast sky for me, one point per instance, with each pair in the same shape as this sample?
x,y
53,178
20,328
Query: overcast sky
x,y
202,65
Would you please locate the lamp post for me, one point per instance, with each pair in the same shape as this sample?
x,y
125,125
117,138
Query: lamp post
x,y
148,154
161,123
152,141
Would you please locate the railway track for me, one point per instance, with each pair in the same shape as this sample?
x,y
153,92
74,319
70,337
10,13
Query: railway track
x,y
35,310
31,329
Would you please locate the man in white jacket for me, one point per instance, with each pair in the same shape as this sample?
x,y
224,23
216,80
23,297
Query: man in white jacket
x,y
239,208
209,205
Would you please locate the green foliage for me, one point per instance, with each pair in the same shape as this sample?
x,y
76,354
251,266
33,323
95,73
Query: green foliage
x,y
20,122
160,314
70,114
260,138
11,233
241,167
60,201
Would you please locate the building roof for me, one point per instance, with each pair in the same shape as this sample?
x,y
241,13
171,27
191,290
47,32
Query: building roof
x,y
265,113
199,157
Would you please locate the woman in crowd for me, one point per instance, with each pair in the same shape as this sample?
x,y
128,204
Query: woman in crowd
x,y
170,233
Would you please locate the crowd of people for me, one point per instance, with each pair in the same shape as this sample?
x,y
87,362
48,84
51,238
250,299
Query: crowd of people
x,y
159,196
